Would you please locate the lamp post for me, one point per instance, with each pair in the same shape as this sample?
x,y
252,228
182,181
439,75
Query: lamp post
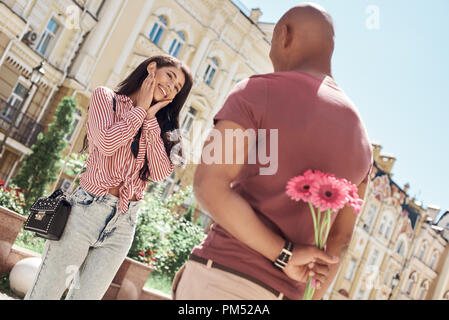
x,y
394,283
36,75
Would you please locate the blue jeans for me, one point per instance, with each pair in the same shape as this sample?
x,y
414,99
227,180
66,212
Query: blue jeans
x,y
94,244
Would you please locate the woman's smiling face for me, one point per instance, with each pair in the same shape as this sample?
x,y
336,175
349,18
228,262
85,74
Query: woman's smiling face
x,y
169,81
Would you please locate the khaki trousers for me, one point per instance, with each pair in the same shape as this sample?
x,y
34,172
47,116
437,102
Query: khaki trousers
x,y
196,281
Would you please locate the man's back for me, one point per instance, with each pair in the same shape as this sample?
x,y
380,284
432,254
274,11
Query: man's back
x,y
318,128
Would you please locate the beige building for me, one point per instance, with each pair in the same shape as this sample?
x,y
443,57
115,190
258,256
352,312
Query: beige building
x,y
91,43
32,32
395,251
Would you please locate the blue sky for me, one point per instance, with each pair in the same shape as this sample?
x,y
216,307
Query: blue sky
x,y
398,77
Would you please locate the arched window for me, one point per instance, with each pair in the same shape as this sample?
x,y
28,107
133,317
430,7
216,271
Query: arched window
x,y
423,290
210,71
158,29
188,121
411,283
382,225
400,248
370,215
177,44
389,229
434,259
422,250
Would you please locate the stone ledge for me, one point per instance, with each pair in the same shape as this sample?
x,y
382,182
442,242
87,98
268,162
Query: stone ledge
x,y
153,294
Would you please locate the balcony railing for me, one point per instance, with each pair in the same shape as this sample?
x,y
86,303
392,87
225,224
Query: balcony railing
x,y
25,129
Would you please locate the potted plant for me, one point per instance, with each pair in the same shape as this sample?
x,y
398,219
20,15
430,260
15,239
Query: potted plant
x,y
12,217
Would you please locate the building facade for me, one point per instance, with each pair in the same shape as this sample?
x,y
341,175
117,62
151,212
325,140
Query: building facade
x,y
34,32
395,251
91,43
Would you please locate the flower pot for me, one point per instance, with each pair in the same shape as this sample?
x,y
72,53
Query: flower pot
x,y
10,225
128,281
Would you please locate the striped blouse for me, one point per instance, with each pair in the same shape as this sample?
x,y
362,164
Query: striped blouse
x,y
110,160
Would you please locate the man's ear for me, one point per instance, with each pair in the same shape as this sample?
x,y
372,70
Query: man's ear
x,y
152,66
286,36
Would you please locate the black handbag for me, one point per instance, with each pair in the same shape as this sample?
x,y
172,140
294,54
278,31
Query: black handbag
x,y
48,216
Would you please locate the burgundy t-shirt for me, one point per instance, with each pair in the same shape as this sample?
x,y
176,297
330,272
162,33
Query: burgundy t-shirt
x,y
318,128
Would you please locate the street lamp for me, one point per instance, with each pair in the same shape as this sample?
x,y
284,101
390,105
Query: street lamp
x,y
36,75
394,283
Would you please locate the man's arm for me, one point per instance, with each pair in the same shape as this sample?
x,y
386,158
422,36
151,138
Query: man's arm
x,y
212,187
339,239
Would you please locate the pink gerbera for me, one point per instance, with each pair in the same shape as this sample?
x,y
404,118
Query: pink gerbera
x,y
353,197
329,193
299,188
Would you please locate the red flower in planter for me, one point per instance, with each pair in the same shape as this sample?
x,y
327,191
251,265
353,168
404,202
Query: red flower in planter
x,y
2,182
149,252
154,259
17,192
8,189
141,253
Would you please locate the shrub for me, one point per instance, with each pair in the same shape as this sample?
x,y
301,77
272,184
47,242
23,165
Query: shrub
x,y
163,238
12,198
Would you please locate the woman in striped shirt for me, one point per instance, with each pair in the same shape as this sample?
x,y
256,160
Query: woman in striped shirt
x,y
128,131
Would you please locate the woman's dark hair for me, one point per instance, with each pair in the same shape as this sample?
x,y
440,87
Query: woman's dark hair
x,y
167,117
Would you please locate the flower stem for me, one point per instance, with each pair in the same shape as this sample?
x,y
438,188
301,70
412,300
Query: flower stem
x,y
309,291
323,225
315,227
328,220
317,230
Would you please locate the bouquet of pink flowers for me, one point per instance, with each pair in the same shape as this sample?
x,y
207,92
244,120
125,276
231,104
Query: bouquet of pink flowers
x,y
325,195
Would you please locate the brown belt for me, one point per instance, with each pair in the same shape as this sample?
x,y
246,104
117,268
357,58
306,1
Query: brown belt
x,y
240,274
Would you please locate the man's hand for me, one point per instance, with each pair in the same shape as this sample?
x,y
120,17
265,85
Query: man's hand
x,y
309,261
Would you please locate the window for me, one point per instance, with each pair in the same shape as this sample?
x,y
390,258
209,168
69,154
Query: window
x,y
158,30
15,101
389,229
76,120
210,71
47,37
423,290
370,215
422,251
373,258
382,225
177,43
411,283
351,269
188,121
434,260
400,249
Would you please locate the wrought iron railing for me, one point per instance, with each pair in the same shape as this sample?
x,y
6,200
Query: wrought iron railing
x,y
24,130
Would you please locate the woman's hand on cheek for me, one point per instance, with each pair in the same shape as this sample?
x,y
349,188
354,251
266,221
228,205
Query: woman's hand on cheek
x,y
151,112
146,92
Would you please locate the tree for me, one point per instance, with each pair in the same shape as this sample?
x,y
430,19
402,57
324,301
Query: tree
x,y
40,168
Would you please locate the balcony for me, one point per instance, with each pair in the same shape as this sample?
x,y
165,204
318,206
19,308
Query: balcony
x,y
24,131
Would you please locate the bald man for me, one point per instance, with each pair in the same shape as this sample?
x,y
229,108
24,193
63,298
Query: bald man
x,y
261,245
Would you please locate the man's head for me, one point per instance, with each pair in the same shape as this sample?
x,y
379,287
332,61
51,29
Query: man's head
x,y
303,37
